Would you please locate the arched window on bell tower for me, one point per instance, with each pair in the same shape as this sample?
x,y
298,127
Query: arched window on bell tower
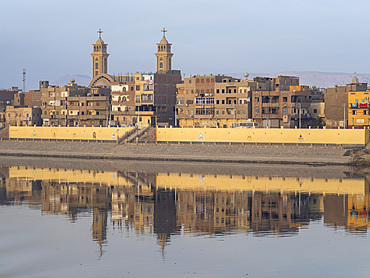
x,y
100,56
164,55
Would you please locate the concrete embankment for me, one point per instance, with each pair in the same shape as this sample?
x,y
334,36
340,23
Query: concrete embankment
x,y
185,153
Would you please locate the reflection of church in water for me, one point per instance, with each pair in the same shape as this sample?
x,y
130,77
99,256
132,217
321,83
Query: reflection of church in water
x,y
165,204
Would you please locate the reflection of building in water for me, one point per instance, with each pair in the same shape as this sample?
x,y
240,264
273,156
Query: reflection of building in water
x,y
212,212
212,204
358,212
282,212
165,218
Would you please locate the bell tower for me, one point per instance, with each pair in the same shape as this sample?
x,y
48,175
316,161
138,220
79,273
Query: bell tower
x,y
164,55
100,56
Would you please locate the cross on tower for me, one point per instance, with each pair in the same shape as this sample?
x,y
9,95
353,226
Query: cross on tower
x,y
100,31
164,32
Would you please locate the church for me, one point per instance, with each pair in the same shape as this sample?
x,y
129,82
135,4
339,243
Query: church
x,y
145,99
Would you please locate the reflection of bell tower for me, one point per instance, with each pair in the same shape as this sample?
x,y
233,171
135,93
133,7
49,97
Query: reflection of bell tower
x,y
164,55
100,56
99,227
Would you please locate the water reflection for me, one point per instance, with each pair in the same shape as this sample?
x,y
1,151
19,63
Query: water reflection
x,y
166,204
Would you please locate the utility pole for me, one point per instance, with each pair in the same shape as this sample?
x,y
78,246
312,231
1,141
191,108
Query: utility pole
x,y
24,80
300,114
344,115
234,112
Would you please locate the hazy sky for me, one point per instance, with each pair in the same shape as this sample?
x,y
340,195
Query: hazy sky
x,y
52,38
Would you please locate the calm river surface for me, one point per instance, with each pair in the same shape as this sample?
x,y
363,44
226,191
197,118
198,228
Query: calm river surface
x,y
78,219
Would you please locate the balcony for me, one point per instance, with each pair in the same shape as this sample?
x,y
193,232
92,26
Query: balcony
x,y
363,105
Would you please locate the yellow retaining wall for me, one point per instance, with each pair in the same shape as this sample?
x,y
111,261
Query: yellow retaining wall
x,y
265,135
68,133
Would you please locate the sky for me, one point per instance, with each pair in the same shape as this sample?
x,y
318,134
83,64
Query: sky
x,y
53,38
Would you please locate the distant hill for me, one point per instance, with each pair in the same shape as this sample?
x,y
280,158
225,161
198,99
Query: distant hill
x,y
310,78
83,80
314,78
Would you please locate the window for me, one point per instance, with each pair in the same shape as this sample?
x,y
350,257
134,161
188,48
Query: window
x,y
223,101
217,102
217,91
199,101
285,99
315,111
137,87
138,99
353,112
210,111
200,111
365,112
285,110
223,91
210,101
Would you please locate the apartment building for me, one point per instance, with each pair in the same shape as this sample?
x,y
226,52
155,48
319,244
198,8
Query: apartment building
x,y
358,109
75,105
213,101
123,103
23,116
336,103
277,108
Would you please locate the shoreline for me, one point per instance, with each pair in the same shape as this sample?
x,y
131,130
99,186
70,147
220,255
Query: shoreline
x,y
268,155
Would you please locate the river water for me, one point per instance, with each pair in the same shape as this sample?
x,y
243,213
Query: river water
x,y
105,219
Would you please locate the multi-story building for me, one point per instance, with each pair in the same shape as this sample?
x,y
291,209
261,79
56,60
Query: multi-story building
x,y
358,109
7,97
74,105
223,101
278,108
32,98
23,116
213,101
336,103
123,103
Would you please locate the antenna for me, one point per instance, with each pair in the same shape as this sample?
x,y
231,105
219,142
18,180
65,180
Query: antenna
x,y
24,80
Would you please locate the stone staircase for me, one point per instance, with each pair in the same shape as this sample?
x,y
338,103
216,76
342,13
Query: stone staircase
x,y
135,137
150,136
123,139
4,133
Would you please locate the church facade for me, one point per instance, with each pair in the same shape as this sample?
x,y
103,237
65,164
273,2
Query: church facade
x,y
145,99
